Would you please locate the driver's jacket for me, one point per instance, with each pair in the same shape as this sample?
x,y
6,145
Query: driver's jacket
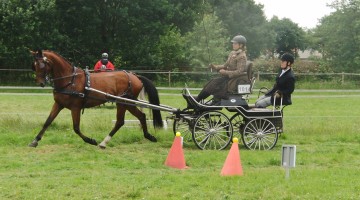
x,y
101,66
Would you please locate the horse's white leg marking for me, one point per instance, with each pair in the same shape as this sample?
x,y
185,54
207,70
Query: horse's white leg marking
x,y
105,141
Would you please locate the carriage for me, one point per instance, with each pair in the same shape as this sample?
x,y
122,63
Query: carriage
x,y
213,126
205,123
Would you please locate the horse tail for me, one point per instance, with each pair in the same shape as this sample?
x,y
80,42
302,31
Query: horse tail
x,y
153,96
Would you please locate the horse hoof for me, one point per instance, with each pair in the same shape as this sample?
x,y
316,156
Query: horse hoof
x,y
33,144
91,141
102,146
151,138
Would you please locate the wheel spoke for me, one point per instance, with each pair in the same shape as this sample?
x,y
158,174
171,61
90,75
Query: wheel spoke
x,y
212,130
259,134
267,125
265,142
183,126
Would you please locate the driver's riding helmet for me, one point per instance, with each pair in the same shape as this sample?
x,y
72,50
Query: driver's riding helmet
x,y
239,39
104,60
289,58
104,55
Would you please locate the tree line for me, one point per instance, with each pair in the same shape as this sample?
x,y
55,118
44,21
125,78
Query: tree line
x,y
183,35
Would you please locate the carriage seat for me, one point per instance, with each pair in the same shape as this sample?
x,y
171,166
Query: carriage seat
x,y
246,89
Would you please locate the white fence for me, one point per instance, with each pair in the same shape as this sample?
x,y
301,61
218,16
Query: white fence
x,y
170,76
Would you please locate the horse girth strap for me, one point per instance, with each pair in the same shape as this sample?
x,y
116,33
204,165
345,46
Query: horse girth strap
x,y
128,91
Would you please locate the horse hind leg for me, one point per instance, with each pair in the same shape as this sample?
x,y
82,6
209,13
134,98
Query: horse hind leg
x,y
118,124
142,118
54,112
76,126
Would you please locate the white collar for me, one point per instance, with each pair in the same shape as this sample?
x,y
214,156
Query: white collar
x,y
283,71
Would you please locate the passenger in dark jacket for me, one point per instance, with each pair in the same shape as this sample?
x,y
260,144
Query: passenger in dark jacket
x,y
283,87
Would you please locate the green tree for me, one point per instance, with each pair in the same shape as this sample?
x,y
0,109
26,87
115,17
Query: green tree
x,y
130,30
207,43
337,37
171,50
243,17
25,24
287,36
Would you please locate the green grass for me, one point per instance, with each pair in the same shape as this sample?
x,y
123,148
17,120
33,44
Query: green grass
x,y
324,127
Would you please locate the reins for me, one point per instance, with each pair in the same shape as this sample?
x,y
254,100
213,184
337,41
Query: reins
x,y
74,74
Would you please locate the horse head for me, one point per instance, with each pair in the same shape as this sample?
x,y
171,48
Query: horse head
x,y
41,67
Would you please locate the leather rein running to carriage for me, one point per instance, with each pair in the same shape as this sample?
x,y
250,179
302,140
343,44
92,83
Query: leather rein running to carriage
x,y
84,95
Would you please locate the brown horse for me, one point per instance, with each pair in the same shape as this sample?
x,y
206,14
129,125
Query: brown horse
x,y
69,92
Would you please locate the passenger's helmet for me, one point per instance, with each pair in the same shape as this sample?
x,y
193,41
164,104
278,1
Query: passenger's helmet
x,y
239,39
104,55
288,58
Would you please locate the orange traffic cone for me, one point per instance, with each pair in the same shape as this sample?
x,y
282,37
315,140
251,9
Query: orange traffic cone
x,y
175,158
232,165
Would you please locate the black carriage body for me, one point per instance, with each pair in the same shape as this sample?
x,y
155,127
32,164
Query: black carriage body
x,y
257,127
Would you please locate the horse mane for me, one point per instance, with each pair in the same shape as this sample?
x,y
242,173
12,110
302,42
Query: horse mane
x,y
50,51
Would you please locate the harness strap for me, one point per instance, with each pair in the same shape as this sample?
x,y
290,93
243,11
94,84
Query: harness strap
x,y
71,93
128,91
87,85
74,74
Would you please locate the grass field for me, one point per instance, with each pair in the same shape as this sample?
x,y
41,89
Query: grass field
x,y
324,126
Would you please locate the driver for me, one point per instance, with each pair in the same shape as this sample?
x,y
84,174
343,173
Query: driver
x,y
233,72
104,64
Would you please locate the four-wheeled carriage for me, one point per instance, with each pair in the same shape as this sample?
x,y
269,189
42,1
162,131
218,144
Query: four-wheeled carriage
x,y
204,123
210,128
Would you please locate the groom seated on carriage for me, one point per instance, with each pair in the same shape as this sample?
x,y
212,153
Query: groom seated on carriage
x,y
284,85
104,64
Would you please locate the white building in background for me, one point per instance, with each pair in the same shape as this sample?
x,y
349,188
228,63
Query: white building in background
x,y
309,53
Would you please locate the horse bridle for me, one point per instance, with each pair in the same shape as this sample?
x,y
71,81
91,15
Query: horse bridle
x,y
43,62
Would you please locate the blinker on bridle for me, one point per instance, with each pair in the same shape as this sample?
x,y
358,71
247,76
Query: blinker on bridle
x,y
43,63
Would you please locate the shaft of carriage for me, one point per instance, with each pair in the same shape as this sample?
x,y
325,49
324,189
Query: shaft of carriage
x,y
138,103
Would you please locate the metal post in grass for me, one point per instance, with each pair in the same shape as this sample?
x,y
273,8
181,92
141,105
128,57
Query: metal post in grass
x,y
288,158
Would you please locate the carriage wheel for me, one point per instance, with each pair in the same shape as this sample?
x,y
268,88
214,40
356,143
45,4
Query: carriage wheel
x,y
259,134
212,130
238,123
181,125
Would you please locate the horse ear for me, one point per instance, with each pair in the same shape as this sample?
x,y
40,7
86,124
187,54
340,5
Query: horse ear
x,y
32,52
39,53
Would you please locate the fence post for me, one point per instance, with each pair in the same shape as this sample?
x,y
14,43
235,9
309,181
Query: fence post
x,y
169,78
258,76
342,78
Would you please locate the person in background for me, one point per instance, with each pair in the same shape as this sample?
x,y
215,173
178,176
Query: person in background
x,y
283,87
104,64
233,72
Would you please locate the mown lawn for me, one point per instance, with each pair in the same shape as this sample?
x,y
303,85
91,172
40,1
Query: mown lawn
x,y
323,126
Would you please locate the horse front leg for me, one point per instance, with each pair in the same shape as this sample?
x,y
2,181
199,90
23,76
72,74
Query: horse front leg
x,y
142,118
120,115
54,112
75,113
